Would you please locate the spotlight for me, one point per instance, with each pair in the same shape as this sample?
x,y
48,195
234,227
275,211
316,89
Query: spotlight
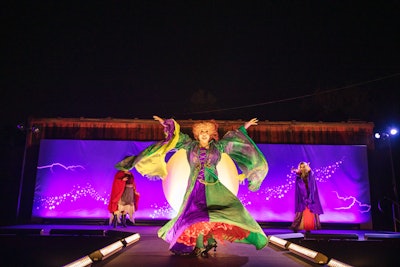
x,y
382,135
21,127
393,131
82,262
127,241
35,130
308,254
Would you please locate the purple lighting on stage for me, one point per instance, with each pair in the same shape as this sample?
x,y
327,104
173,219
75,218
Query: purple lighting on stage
x,y
353,202
78,192
74,179
60,165
322,174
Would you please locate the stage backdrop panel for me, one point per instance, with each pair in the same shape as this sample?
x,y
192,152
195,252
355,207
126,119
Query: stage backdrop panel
x,y
74,179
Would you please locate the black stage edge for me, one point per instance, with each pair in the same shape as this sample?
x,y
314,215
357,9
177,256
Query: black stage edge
x,y
317,236
60,244
141,222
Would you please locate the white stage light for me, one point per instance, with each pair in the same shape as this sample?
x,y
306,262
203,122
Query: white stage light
x,y
278,242
393,131
336,263
130,239
82,262
111,249
309,254
107,251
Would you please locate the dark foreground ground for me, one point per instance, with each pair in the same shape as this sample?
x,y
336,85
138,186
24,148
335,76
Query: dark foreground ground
x,y
63,245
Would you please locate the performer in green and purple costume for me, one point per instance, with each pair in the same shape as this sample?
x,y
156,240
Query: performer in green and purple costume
x,y
209,210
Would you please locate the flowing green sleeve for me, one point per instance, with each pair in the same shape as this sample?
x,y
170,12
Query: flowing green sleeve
x,y
248,157
151,161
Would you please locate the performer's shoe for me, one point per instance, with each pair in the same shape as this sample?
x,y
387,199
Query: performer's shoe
x,y
114,221
209,246
196,252
130,223
123,220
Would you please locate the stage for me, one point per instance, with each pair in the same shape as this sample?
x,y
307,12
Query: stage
x,y
50,245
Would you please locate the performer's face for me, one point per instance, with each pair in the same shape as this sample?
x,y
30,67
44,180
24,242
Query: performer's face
x,y
303,168
204,137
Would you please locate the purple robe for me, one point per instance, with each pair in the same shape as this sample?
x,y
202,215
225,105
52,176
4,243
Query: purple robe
x,y
304,197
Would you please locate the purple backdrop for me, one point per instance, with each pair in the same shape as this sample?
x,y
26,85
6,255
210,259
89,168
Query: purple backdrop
x,y
74,179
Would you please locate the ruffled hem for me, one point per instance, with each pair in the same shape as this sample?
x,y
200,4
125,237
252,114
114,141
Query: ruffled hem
x,y
217,230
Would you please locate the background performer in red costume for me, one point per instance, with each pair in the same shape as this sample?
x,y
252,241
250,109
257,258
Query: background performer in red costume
x,y
123,199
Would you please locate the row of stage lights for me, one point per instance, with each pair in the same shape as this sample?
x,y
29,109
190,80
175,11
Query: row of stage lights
x,y
105,252
308,254
33,129
305,253
391,132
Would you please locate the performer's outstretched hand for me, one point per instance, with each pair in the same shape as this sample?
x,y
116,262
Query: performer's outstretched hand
x,y
161,121
250,123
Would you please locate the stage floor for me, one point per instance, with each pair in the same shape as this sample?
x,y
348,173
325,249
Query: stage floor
x,y
60,245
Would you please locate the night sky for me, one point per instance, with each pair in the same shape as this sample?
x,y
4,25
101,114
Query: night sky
x,y
280,60
275,60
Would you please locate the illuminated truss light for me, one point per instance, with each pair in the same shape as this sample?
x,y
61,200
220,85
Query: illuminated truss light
x,y
278,242
130,239
82,262
336,263
309,254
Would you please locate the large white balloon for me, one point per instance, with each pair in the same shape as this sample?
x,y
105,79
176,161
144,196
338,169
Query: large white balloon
x,y
228,173
175,184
